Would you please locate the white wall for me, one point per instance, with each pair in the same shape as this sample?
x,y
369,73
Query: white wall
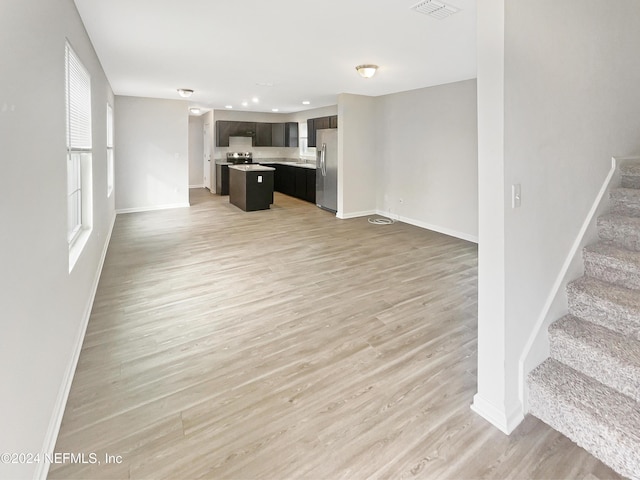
x,y
358,151
152,161
571,102
44,308
196,151
428,148
492,401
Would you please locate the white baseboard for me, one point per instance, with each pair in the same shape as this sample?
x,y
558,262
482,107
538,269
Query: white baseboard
x,y
410,221
152,208
51,436
197,186
345,216
506,421
430,226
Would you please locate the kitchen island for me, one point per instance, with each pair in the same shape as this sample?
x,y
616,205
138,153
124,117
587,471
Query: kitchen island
x,y
251,186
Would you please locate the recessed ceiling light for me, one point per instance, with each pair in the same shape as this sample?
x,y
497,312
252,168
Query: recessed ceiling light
x,y
306,102
255,100
274,109
228,106
245,104
195,111
185,92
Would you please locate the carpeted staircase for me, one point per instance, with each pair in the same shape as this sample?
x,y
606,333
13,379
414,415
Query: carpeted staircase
x,y
589,389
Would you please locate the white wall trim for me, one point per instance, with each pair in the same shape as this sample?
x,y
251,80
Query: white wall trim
x,y
150,209
410,221
561,281
429,226
505,420
197,186
55,422
345,216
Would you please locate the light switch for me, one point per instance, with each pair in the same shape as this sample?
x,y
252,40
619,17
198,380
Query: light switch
x,y
259,178
516,195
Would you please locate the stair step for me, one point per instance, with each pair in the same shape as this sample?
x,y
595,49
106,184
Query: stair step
x,y
603,421
598,352
612,264
621,230
625,201
611,306
630,175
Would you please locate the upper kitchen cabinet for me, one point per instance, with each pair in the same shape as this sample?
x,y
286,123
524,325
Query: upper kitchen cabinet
x,y
264,134
284,134
320,123
226,129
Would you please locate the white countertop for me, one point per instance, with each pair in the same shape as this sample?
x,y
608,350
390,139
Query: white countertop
x,y
252,167
292,163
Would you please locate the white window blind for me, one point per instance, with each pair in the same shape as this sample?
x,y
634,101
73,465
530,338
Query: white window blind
x,y
78,103
109,126
110,167
79,158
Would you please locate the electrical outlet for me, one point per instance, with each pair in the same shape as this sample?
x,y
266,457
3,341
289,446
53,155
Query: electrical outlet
x,y
516,195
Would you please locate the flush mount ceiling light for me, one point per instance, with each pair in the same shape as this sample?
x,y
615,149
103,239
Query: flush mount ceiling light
x,y
367,71
306,102
195,111
435,9
185,92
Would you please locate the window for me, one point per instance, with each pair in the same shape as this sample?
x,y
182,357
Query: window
x,y
110,171
79,159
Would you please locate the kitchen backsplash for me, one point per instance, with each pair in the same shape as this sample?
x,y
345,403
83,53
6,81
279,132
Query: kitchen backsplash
x,y
243,144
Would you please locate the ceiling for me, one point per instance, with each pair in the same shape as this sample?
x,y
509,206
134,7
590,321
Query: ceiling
x,y
280,51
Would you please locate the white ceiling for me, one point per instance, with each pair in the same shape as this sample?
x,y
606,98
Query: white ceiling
x,y
281,51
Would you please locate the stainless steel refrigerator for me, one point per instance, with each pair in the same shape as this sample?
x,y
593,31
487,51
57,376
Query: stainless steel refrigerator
x,y
327,169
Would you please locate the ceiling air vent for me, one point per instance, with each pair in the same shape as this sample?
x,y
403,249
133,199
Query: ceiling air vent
x,y
435,9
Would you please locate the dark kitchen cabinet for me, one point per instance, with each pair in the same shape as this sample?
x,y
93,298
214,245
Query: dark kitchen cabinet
x,y
277,135
299,182
264,135
222,179
284,134
311,133
288,180
314,124
226,129
311,185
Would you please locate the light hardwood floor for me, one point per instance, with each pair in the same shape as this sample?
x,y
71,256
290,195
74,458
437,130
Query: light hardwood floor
x,y
288,344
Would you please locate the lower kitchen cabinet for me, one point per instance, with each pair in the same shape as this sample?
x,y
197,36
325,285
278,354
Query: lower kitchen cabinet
x,y
222,179
311,185
299,182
